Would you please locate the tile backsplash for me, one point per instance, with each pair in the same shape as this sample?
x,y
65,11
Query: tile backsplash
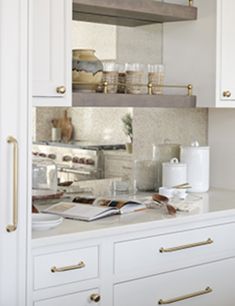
x,y
176,125
150,125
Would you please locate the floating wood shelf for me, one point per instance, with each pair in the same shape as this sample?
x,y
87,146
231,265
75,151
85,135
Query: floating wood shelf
x,y
128,100
131,13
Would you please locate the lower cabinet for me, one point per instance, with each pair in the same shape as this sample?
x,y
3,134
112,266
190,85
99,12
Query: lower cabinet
x,y
83,298
206,285
187,267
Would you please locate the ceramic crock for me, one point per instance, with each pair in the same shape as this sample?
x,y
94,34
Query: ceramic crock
x,y
87,70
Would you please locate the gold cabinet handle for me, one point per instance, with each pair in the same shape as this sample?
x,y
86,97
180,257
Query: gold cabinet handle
x,y
80,265
227,94
186,246
61,90
185,297
13,227
95,297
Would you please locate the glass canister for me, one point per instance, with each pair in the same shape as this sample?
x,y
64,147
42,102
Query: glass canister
x,y
44,174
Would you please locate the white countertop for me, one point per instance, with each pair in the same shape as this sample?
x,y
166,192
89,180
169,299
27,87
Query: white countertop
x,y
207,207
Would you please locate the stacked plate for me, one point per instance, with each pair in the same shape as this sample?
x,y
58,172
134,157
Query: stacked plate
x,y
41,222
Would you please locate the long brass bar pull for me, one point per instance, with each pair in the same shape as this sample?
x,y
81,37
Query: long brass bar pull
x,y
80,265
186,246
185,297
13,227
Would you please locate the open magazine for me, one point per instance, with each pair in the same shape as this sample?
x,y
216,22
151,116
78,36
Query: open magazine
x,y
99,209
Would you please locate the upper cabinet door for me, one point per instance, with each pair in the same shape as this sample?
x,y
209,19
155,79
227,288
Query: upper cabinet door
x,y
52,54
202,53
226,24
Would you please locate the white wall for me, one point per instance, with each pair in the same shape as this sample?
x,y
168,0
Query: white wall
x,y
222,143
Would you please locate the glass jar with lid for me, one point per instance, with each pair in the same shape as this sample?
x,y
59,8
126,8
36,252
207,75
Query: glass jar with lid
x,y
44,174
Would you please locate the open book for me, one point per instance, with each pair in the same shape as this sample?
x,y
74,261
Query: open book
x,y
99,209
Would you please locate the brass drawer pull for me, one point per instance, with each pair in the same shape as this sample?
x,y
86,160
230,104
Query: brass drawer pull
x,y
185,297
13,227
186,246
95,297
80,265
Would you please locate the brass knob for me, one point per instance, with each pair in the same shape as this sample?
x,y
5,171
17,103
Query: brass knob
x,y
95,297
61,90
227,94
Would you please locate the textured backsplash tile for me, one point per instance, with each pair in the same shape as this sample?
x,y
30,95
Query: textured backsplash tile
x,y
90,124
155,125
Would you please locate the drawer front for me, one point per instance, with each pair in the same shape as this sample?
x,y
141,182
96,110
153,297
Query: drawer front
x,y
64,267
173,251
206,285
84,298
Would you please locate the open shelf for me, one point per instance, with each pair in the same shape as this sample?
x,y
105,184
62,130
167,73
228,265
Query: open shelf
x,y
131,13
127,100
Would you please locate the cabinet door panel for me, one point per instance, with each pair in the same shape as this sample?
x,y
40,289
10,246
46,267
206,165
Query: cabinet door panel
x,y
218,276
51,50
227,8
81,299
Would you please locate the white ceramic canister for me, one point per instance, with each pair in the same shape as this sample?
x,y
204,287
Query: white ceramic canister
x,y
174,173
197,159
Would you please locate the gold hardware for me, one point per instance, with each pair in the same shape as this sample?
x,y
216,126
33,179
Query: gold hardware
x,y
105,87
61,90
190,90
185,297
227,94
105,84
13,227
95,297
80,265
186,246
190,2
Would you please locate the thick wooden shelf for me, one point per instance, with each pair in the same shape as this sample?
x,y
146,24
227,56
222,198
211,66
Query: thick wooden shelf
x,y
128,100
131,13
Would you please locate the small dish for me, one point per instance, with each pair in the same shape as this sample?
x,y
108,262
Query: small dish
x,y
41,222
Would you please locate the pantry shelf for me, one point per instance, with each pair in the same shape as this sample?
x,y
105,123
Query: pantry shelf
x,y
124,13
128,100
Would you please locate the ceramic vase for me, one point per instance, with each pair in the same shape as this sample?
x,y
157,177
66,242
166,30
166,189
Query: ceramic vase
x,y
87,70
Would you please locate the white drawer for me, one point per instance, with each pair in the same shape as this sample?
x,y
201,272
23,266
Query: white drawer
x,y
191,282
64,267
84,298
143,256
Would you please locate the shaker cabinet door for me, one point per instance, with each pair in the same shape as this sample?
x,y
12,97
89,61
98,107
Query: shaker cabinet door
x,y
227,85
14,151
51,52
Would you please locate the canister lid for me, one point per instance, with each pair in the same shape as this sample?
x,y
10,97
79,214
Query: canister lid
x,y
195,146
174,162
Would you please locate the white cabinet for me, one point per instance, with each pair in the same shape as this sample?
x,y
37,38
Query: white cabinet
x,y
84,298
202,52
52,52
226,49
14,93
142,267
206,285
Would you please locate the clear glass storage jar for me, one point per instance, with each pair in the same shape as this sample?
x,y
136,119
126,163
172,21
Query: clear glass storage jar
x,y
44,174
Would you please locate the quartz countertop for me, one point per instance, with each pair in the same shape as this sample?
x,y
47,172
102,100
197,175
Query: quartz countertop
x,y
209,207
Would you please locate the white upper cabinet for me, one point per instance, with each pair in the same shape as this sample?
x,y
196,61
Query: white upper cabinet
x,y
202,52
52,52
226,50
